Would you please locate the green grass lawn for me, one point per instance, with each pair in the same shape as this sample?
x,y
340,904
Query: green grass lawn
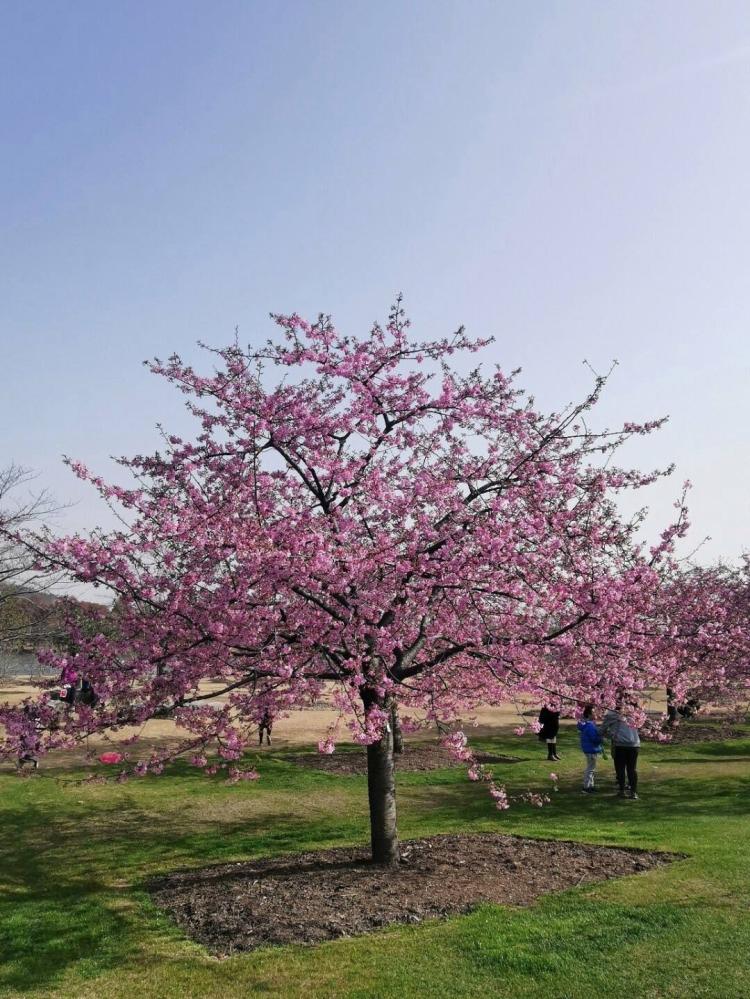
x,y
75,920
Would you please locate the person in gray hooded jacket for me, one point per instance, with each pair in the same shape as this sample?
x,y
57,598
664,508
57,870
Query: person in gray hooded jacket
x,y
625,745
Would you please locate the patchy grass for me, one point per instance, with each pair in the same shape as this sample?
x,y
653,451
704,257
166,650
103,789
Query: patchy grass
x,y
75,920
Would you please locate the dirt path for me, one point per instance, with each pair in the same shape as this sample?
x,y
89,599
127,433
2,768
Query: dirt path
x,y
298,728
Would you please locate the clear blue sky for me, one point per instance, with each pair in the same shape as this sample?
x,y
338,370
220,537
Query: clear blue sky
x,y
571,177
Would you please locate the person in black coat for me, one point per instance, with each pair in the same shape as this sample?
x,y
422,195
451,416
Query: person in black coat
x,y
550,722
265,725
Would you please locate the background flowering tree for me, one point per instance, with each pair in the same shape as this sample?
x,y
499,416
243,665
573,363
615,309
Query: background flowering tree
x,y
374,526
704,623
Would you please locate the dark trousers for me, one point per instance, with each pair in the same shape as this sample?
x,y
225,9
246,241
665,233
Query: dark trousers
x,y
626,760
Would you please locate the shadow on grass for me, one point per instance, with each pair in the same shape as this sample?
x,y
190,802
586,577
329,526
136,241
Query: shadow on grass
x,y
739,749
665,807
43,932
117,843
72,877
72,885
662,802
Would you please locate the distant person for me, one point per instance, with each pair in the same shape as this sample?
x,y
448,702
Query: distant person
x,y
88,695
69,680
625,745
550,726
265,726
30,741
591,746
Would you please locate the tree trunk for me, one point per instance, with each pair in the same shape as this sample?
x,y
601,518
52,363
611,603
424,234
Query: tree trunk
x,y
398,735
671,707
381,791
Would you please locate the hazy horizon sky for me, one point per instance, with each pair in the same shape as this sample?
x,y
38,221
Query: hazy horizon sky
x,y
573,179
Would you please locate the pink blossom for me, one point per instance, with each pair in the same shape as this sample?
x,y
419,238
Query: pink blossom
x,y
350,526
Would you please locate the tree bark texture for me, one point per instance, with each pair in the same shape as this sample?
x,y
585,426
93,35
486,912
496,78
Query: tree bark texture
x,y
381,791
671,707
398,735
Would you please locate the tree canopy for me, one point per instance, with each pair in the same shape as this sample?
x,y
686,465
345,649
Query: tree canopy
x,y
361,519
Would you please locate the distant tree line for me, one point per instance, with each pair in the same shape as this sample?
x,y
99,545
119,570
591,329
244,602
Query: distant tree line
x,y
32,614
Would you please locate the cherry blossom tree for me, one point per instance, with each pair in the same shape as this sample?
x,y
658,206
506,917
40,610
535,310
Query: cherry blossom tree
x,y
364,520
704,623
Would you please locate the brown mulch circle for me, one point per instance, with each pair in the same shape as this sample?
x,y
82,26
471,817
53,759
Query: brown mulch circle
x,y
311,897
687,732
415,757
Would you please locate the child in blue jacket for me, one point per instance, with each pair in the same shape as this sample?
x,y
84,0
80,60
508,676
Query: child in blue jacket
x,y
591,746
